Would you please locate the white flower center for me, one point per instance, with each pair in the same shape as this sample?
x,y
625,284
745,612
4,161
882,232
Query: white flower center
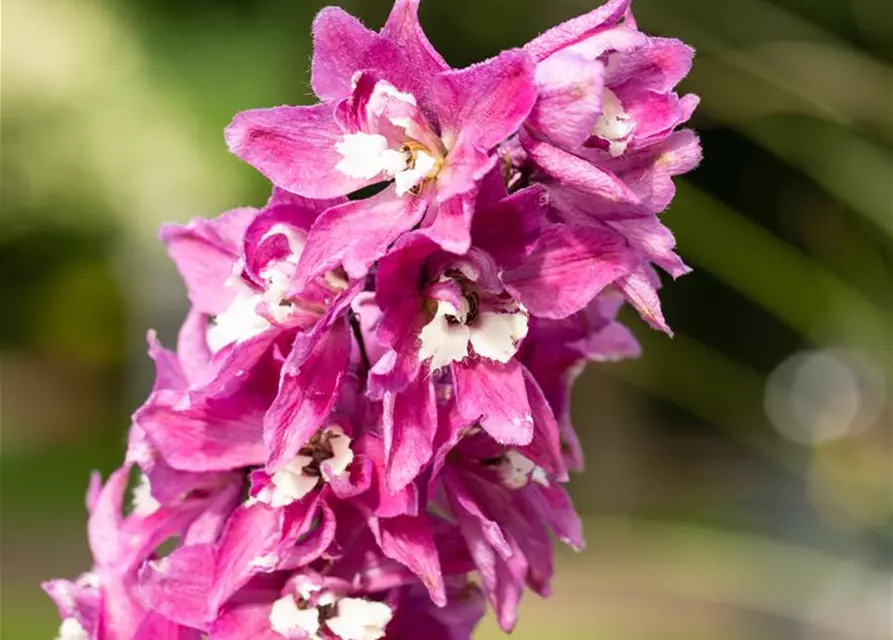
x,y
367,155
397,155
517,471
326,456
240,322
494,334
288,620
353,619
143,502
71,629
359,619
614,125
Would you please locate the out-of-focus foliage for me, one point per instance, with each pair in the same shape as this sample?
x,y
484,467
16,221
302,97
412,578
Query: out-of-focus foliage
x,y
739,474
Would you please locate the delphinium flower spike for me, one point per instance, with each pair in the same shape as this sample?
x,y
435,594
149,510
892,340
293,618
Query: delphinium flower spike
x,y
364,428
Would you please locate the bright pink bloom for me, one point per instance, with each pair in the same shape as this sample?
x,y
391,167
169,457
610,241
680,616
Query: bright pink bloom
x,y
369,398
392,111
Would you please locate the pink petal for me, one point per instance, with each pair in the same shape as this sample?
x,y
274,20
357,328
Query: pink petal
x,y
570,99
154,625
409,425
408,540
334,238
491,99
294,147
563,519
450,225
404,30
641,292
649,235
658,65
340,42
193,352
311,380
577,173
104,524
568,267
247,621
577,29
205,252
496,396
252,532
206,435
178,585
509,229
545,447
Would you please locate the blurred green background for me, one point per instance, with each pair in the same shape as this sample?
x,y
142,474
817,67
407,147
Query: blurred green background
x,y
739,475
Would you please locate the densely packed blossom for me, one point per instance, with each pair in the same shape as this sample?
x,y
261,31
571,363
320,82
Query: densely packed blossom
x,y
364,428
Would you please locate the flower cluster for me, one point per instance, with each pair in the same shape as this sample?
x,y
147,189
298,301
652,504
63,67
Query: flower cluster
x,y
364,429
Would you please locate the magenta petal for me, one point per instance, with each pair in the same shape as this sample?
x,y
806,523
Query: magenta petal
x,y
311,380
545,447
193,352
211,435
456,621
205,252
279,232
104,524
168,372
655,240
501,564
451,224
490,99
154,626
573,31
575,172
335,238
207,527
410,422
495,394
294,147
570,99
253,532
404,30
655,114
562,518
408,540
311,543
641,292
568,267
658,65
178,585
509,229
339,44
248,621
466,165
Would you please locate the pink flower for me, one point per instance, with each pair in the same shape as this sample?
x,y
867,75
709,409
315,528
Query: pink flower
x,y
105,602
602,132
392,111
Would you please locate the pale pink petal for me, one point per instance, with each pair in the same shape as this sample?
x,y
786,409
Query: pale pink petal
x,y
570,99
577,29
205,252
